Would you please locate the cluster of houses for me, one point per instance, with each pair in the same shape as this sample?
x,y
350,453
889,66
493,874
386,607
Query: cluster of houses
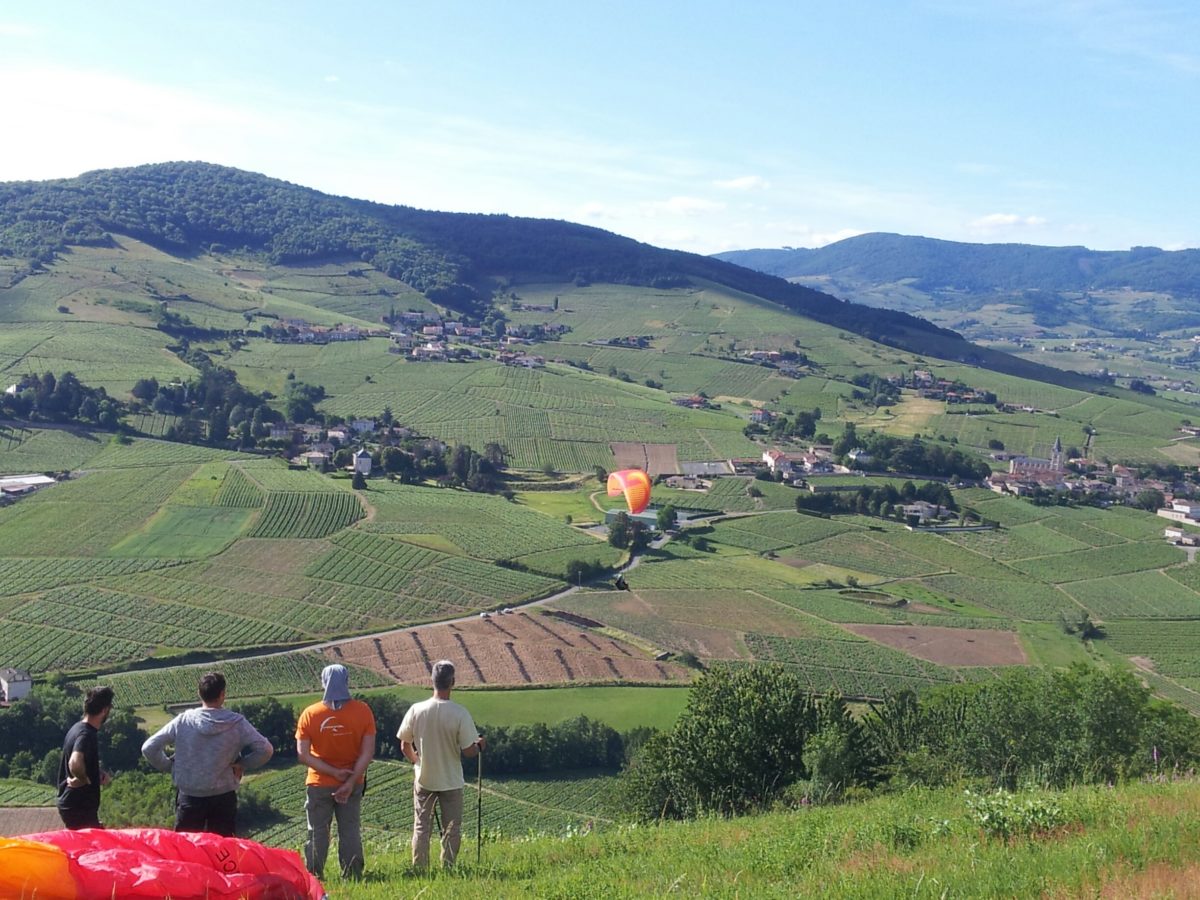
x,y
931,388
316,445
694,401
1027,475
1184,512
817,460
299,331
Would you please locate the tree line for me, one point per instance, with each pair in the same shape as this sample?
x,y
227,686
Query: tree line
x,y
753,736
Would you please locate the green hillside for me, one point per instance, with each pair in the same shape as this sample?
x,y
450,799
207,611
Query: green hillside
x,y
1133,841
982,287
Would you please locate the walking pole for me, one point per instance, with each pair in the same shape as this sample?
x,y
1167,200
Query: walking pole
x,y
479,808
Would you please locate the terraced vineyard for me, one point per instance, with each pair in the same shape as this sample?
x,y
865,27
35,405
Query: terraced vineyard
x,y
513,806
292,514
271,676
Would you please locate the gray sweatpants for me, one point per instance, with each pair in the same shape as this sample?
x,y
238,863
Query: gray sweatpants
x,y
321,809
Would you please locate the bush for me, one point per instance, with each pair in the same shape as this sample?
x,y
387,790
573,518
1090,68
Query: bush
x,y
1004,815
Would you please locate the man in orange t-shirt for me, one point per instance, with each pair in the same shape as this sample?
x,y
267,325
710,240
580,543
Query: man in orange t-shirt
x,y
335,738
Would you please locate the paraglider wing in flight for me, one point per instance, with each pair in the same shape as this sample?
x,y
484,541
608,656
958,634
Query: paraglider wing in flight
x,y
634,484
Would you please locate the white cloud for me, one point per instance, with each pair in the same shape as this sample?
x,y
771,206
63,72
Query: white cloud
x,y
16,29
684,206
332,79
975,168
744,183
1003,223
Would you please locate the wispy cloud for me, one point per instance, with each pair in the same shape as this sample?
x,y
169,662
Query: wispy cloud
x,y
1162,33
743,183
684,206
996,224
332,79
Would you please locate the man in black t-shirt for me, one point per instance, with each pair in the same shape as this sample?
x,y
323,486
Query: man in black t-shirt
x,y
79,774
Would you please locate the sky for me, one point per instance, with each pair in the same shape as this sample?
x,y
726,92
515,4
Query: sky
x,y
701,126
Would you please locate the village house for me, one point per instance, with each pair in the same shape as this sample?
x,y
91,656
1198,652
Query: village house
x,y
314,459
362,461
281,431
777,461
1181,511
920,512
402,342
361,426
695,401
15,684
433,351
814,463
762,417
859,457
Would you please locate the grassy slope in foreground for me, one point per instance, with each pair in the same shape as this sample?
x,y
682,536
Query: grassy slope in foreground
x,y
1136,840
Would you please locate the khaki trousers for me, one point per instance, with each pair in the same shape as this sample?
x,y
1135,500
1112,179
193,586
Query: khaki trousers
x,y
451,805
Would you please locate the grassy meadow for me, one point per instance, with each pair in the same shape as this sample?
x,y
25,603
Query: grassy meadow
x,y
1136,840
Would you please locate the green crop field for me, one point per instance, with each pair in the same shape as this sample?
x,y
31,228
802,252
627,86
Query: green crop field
x,y
25,450
285,673
513,805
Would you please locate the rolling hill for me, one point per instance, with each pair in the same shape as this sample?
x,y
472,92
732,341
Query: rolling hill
x,y
453,259
1144,289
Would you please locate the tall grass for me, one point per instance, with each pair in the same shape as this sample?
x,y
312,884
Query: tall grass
x,y
1141,840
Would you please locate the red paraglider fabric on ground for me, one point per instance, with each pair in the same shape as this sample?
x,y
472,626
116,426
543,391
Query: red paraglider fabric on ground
x,y
152,862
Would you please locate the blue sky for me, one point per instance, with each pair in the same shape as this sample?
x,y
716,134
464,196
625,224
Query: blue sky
x,y
703,126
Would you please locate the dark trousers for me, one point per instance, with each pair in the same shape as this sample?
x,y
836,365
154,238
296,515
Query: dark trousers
x,y
74,819
216,815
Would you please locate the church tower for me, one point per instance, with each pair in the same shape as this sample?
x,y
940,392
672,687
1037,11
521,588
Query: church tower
x,y
1056,460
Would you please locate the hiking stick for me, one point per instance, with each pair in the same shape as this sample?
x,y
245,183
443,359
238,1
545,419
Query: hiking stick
x,y
479,808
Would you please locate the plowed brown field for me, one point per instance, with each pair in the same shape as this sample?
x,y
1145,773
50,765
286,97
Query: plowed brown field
x,y
516,649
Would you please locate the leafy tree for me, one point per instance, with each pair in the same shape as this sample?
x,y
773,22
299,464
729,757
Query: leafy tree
x,y
666,518
738,744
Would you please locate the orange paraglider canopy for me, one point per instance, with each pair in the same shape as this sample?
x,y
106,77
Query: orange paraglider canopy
x,y
634,484
150,863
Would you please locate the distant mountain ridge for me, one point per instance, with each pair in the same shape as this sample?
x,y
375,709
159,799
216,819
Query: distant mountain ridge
x,y
935,264
454,258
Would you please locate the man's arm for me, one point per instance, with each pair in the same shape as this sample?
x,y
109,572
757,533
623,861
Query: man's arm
x,y
154,748
409,749
472,750
468,737
77,770
366,752
256,749
304,753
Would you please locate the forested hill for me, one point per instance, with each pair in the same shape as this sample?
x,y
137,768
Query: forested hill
x,y
936,265
452,257
182,207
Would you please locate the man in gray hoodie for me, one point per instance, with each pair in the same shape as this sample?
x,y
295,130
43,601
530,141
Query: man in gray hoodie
x,y
213,747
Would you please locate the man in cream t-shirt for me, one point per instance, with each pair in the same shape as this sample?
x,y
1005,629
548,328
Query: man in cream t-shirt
x,y
434,736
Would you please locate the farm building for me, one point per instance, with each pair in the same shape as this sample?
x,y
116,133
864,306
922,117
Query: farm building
x,y
15,684
709,469
648,517
16,485
362,462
